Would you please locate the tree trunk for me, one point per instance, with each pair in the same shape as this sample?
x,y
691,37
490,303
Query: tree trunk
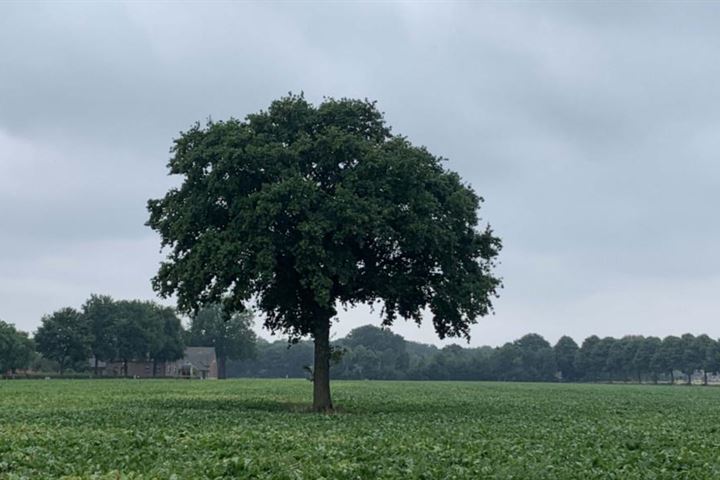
x,y
154,368
222,363
321,372
96,366
689,380
125,368
704,378
672,377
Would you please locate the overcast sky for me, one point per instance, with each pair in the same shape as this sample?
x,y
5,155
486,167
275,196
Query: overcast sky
x,y
592,131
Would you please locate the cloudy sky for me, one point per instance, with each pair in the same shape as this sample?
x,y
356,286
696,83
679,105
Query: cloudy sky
x,y
592,131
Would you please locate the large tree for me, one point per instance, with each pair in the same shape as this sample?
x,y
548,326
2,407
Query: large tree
x,y
232,335
305,209
64,336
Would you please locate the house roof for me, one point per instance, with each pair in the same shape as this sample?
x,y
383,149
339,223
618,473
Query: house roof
x,y
200,357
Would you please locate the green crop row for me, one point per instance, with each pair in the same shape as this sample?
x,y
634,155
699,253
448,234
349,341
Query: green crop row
x,y
125,429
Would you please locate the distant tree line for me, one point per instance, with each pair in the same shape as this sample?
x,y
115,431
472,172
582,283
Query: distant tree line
x,y
373,353
108,330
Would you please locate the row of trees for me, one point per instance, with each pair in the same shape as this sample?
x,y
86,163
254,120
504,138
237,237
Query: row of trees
x,y
637,357
372,353
109,330
124,330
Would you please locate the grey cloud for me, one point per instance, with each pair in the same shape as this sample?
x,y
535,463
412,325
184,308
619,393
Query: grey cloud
x,y
591,130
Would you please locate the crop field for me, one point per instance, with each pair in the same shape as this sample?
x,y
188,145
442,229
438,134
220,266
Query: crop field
x,y
124,429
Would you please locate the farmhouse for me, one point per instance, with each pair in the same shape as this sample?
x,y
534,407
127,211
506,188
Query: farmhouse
x,y
197,362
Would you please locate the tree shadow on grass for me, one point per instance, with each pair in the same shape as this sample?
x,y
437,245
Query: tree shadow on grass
x,y
225,404
378,405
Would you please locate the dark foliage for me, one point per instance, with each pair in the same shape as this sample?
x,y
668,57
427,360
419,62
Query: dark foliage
x,y
305,208
378,354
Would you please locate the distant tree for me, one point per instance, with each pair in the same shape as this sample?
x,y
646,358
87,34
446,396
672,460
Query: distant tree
x,y
691,357
565,353
600,355
480,363
16,349
670,355
621,355
360,363
631,344
389,349
439,365
642,362
375,338
232,336
420,349
102,315
615,365
529,358
532,342
660,365
709,354
586,360
456,361
507,363
64,336
169,344
7,337
308,208
23,352
536,357
137,331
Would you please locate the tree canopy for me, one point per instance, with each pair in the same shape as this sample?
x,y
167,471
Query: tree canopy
x,y
565,353
305,208
111,330
64,336
102,314
16,348
145,330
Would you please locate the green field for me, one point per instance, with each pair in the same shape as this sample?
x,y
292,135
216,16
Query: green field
x,y
261,429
